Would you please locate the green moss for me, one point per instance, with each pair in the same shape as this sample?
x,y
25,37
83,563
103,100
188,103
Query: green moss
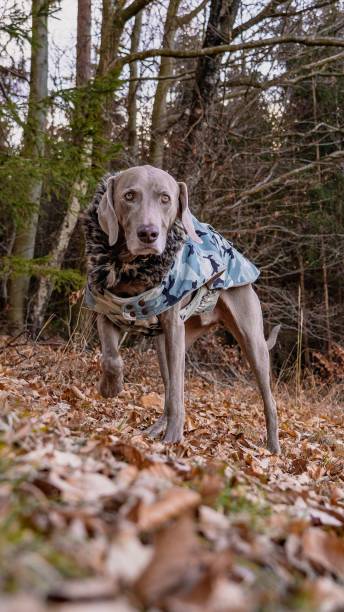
x,y
234,501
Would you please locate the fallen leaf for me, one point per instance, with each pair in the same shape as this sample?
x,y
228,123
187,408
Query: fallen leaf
x,y
119,605
176,562
79,394
86,487
174,502
86,589
214,525
21,603
152,400
324,549
226,591
127,558
327,596
130,453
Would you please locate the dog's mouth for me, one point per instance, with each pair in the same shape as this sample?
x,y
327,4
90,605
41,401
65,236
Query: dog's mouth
x,y
151,250
129,256
144,250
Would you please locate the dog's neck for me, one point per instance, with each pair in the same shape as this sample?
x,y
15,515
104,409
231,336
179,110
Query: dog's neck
x,y
125,275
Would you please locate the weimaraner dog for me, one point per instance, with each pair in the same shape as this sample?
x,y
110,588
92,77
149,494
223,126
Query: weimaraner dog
x,y
141,204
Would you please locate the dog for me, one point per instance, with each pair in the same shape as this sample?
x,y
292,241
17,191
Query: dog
x,y
153,268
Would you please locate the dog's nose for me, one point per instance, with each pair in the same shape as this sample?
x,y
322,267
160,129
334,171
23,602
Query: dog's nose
x,y
147,233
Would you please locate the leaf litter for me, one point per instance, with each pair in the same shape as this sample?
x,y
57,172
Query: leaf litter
x,y
95,516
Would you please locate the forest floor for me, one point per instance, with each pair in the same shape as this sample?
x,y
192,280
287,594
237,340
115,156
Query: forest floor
x,y
95,517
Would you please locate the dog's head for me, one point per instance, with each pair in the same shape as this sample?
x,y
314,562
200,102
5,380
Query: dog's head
x,y
145,202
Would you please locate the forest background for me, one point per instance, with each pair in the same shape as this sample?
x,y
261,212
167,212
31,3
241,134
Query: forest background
x,y
245,102
242,100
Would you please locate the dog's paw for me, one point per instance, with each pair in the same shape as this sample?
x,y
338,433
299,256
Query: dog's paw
x,y
157,428
274,447
110,386
174,433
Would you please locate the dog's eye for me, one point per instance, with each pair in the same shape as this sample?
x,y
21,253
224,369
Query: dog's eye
x,y
165,198
129,196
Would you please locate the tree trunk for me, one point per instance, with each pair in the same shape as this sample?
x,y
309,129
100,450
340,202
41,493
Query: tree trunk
x,y
132,93
83,43
156,152
79,188
114,18
220,24
322,242
33,149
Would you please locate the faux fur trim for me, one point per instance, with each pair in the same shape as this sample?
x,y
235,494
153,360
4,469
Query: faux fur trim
x,y
108,266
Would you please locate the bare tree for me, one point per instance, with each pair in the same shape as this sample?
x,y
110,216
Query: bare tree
x,y
33,148
132,93
79,188
219,29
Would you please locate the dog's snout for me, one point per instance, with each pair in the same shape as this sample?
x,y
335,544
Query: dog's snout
x,y
147,233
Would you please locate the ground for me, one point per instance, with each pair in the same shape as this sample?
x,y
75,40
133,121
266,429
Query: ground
x,y
95,517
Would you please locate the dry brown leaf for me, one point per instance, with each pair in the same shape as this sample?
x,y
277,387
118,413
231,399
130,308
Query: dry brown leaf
x,y
127,558
174,502
130,453
228,595
79,394
210,487
21,603
175,565
214,525
126,476
152,400
46,435
86,589
336,493
83,487
327,596
119,605
324,549
160,470
294,557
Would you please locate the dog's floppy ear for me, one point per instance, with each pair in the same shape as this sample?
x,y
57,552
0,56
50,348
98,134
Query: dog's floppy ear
x,y
106,212
185,213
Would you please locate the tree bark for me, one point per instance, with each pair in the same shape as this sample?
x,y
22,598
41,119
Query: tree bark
x,y
322,242
156,152
79,188
114,19
132,93
220,24
33,149
159,122
83,44
112,28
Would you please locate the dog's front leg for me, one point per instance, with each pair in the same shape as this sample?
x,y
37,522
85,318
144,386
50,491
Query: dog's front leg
x,y
174,332
160,425
111,382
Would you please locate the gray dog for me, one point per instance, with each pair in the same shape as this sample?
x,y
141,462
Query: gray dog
x,y
154,268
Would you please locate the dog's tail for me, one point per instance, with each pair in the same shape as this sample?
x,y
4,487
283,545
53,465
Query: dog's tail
x,y
271,341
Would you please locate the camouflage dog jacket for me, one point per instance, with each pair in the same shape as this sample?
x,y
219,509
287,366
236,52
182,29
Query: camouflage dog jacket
x,y
200,271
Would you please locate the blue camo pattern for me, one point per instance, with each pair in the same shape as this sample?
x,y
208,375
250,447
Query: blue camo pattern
x,y
195,265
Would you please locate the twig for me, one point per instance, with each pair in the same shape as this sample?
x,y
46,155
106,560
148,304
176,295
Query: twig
x,y
13,340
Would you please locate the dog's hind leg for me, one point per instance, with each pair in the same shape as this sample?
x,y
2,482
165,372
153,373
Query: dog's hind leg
x,y
111,382
240,311
160,425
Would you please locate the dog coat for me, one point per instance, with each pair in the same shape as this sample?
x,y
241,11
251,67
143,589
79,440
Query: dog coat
x,y
200,271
